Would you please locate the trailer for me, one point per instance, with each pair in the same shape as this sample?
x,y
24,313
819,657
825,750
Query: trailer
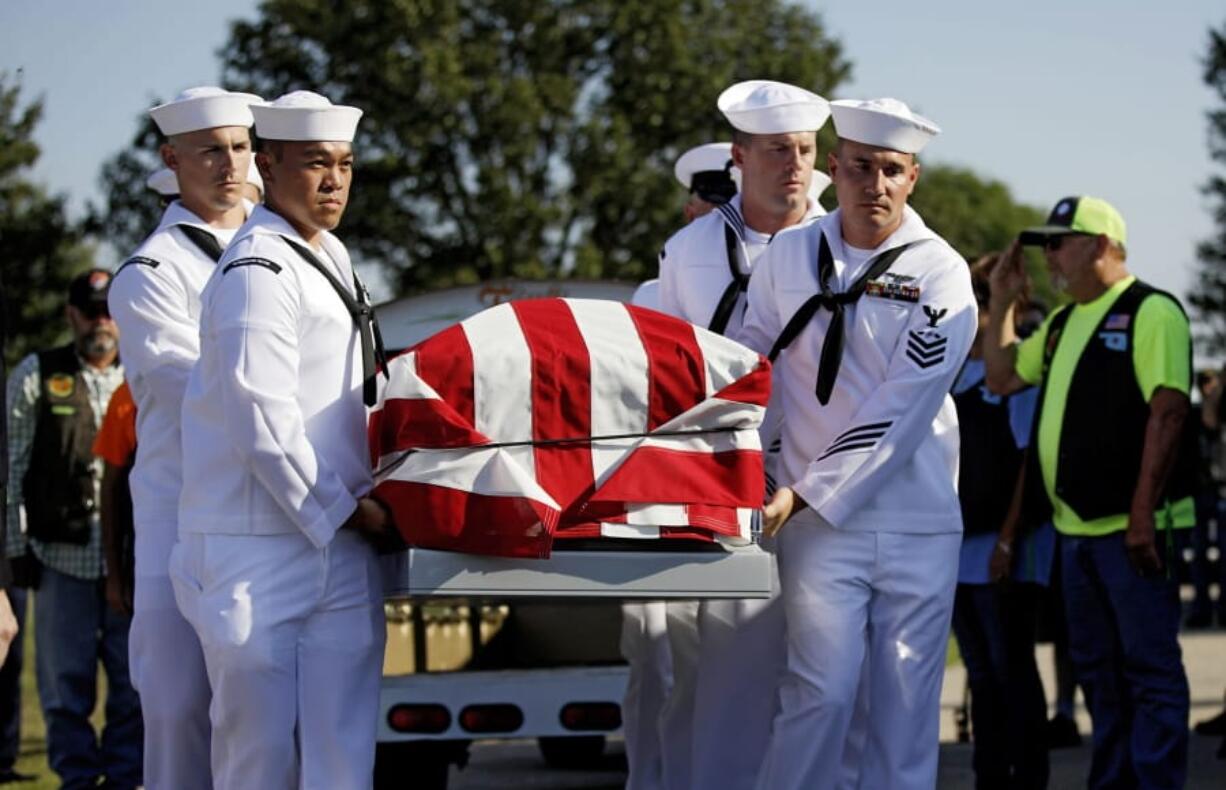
x,y
490,647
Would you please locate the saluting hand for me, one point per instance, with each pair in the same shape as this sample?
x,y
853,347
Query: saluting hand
x,y
1009,276
779,509
1140,544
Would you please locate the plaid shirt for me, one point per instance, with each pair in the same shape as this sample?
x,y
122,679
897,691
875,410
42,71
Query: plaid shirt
x,y
24,392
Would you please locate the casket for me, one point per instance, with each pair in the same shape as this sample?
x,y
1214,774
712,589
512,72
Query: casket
x,y
541,421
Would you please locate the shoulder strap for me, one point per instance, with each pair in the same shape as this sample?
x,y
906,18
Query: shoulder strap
x,y
805,314
374,356
205,242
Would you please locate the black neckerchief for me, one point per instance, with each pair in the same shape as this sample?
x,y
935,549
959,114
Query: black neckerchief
x,y
836,303
205,242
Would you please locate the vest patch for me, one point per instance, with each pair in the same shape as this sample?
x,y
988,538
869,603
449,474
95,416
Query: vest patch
x,y
897,291
60,385
1119,321
273,267
1116,341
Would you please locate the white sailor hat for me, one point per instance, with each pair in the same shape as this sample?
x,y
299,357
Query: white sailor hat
x,y
768,107
711,157
818,185
204,108
304,115
885,123
166,183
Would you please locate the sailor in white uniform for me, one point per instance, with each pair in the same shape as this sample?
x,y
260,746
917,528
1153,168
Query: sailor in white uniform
x,y
708,176
869,557
727,655
274,567
155,300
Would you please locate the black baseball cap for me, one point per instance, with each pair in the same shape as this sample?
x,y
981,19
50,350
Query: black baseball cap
x,y
88,290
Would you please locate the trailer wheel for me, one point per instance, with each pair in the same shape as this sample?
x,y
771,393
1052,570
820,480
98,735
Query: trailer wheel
x,y
572,752
409,766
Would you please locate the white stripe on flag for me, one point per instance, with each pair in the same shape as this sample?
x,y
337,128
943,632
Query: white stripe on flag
x,y
726,361
618,378
502,381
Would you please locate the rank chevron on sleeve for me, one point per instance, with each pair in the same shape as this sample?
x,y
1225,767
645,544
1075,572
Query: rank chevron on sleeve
x,y
926,351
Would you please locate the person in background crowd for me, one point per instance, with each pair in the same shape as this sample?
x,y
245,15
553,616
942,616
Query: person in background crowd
x,y
1115,371
1205,418
12,611
56,401
115,444
1003,568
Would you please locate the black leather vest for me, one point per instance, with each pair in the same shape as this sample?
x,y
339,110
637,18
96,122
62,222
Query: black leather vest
x,y
58,489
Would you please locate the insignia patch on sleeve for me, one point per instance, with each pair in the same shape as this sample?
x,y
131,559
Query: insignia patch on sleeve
x,y
137,260
861,437
272,266
926,347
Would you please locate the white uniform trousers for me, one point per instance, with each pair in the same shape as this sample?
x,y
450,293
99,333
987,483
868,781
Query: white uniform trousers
x,y
741,657
167,670
293,639
644,645
677,717
858,601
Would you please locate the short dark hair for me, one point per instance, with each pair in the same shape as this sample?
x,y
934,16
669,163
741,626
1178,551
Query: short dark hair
x,y
274,148
741,138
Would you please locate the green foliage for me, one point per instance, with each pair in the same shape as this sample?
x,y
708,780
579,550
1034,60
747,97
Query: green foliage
x,y
977,217
1209,298
40,247
509,138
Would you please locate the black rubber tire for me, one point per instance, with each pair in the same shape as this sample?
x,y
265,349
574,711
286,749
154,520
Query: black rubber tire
x,y
411,765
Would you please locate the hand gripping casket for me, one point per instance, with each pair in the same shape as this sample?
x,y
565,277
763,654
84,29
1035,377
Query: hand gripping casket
x,y
548,419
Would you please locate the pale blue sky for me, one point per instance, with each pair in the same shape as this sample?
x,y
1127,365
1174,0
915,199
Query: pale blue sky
x,y
1052,98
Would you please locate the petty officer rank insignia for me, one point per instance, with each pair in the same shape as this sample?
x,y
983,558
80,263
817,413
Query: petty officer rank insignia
x,y
893,286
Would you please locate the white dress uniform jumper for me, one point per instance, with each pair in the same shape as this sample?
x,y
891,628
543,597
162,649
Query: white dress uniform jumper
x,y
288,606
727,656
155,301
871,444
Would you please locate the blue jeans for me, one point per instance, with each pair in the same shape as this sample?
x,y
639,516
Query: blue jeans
x,y
74,631
1122,639
10,685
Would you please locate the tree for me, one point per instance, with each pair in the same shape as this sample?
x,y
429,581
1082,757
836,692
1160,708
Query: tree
x,y
41,248
1209,300
511,138
977,217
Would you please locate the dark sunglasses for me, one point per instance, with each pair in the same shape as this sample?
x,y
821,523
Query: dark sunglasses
x,y
1053,243
95,310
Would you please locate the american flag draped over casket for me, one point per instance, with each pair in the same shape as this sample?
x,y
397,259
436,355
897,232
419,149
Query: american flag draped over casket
x,y
559,418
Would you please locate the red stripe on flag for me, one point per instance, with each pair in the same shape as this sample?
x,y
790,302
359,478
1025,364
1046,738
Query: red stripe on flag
x,y
436,517
674,364
421,422
733,478
445,362
561,397
754,388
